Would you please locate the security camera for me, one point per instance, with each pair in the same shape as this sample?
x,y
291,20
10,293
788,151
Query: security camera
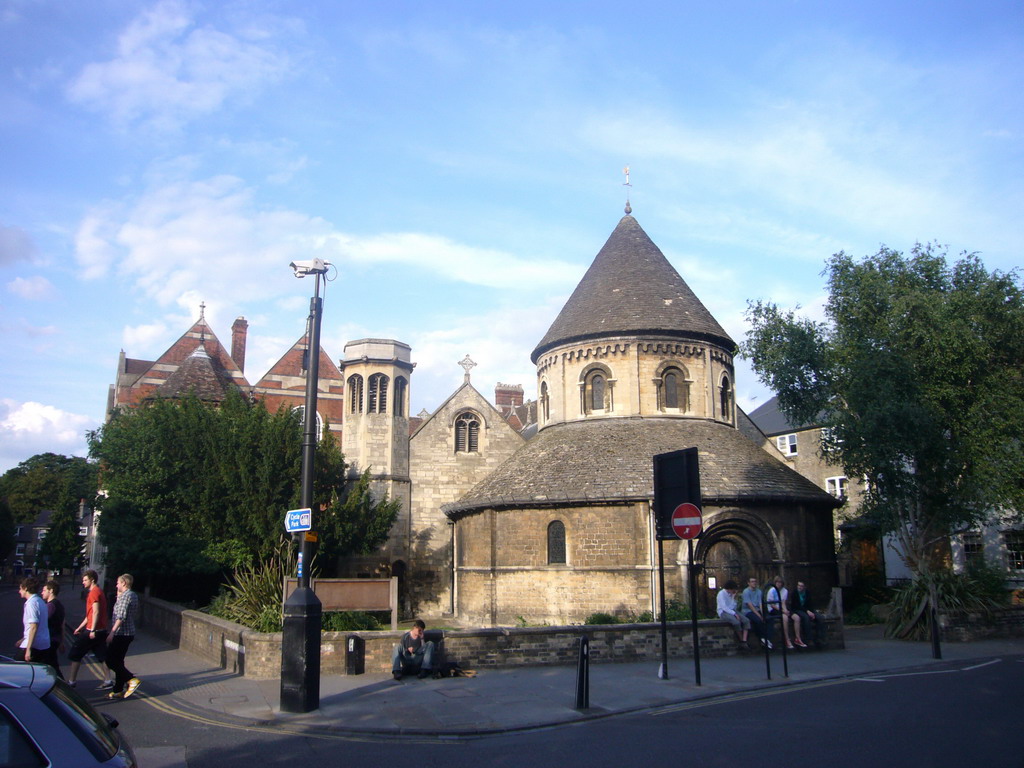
x,y
310,267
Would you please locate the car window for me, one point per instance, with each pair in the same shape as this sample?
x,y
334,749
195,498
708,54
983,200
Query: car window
x,y
84,721
16,749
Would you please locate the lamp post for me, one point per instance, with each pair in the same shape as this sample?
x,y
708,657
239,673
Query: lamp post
x,y
300,642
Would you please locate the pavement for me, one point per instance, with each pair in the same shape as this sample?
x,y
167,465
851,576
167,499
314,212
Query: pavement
x,y
373,705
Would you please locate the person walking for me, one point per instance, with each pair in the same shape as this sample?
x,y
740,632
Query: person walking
x,y
91,634
35,639
122,632
55,623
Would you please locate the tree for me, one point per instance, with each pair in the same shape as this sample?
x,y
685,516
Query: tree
x,y
917,376
47,481
198,488
6,529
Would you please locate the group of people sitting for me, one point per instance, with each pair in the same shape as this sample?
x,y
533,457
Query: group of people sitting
x,y
759,610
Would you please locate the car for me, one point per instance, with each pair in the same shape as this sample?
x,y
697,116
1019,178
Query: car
x,y
45,722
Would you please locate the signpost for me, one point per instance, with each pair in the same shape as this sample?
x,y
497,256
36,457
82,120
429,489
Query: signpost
x,y
297,520
677,512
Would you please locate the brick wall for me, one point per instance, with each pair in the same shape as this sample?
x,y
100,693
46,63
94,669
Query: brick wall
x,y
258,655
1008,622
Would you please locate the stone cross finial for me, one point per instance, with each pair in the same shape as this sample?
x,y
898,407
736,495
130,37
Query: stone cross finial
x,y
202,311
467,365
628,186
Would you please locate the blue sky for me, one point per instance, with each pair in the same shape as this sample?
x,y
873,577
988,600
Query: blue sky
x,y
461,164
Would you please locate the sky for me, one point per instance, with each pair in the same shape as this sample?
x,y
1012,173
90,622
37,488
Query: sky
x,y
460,164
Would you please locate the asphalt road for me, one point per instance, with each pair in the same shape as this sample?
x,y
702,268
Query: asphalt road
x,y
957,714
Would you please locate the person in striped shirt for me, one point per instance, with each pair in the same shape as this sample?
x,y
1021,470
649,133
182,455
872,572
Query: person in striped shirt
x,y
126,613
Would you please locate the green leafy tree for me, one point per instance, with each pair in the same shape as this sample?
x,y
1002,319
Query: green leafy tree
x,y
197,488
917,374
47,481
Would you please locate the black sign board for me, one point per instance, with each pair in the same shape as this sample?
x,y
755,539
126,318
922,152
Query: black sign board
x,y
676,481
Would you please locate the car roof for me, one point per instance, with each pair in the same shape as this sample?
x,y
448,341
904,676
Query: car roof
x,y
37,677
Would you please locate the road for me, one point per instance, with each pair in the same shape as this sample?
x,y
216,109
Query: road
x,y
956,714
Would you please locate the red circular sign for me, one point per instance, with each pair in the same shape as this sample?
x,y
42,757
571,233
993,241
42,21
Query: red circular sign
x,y
686,521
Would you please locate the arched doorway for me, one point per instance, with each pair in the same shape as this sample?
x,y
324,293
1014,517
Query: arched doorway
x,y
736,548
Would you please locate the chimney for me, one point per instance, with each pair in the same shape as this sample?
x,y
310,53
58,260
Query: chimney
x,y
239,329
508,395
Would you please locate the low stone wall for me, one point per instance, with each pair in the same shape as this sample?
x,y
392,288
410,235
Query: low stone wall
x,y
1008,622
258,654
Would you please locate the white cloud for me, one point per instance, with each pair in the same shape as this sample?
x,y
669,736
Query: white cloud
x,y
36,288
29,428
169,70
186,240
15,245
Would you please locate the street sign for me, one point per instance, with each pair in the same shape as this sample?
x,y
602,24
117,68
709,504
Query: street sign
x,y
296,520
676,482
686,521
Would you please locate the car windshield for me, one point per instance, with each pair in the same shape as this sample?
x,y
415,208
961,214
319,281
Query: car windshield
x,y
90,727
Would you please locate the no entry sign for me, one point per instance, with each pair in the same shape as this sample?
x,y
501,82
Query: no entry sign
x,y
686,521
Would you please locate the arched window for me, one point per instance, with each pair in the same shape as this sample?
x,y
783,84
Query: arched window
x,y
556,543
545,410
467,433
355,393
725,394
674,390
377,397
401,384
597,390
301,410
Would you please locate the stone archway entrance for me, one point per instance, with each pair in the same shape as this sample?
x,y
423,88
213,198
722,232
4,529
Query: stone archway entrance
x,y
734,548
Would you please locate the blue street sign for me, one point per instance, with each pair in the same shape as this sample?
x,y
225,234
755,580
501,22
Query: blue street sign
x,y
296,520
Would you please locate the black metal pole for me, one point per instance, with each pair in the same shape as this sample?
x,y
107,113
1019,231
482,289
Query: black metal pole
x,y
663,671
766,628
693,614
583,675
300,642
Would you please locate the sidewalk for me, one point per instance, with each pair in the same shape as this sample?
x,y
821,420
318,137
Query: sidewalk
x,y
502,700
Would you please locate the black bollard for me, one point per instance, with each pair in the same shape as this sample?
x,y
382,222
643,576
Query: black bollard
x,y
583,675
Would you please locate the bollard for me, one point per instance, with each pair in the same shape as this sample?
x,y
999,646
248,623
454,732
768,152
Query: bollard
x,y
583,675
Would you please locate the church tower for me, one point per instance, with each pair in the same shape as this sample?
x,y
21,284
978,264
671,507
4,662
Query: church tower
x,y
375,435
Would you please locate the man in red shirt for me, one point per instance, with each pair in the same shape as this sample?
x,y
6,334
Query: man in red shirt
x,y
91,634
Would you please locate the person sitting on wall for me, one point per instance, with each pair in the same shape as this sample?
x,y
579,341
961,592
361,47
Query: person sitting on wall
x,y
777,599
727,610
811,620
752,598
414,653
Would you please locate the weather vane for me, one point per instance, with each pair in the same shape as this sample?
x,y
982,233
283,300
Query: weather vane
x,y
628,186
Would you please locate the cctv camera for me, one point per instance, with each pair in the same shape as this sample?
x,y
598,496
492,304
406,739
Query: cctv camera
x,y
309,267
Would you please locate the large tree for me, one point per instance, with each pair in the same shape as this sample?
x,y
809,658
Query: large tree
x,y
917,374
47,481
196,488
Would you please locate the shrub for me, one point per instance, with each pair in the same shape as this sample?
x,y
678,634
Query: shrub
x,y
862,614
602,618
350,621
963,593
255,594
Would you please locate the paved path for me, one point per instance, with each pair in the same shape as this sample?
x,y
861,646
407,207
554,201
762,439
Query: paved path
x,y
502,700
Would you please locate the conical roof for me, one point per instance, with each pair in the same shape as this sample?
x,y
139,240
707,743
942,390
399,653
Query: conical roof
x,y
200,375
631,289
611,461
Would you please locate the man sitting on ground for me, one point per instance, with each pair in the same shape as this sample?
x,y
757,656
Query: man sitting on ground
x,y
414,653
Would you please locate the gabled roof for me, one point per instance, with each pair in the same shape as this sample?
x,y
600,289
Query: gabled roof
x,y
611,461
290,364
770,420
631,289
200,375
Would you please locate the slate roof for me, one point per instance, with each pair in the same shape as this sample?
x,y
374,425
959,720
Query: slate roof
x,y
198,374
611,460
770,420
631,289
